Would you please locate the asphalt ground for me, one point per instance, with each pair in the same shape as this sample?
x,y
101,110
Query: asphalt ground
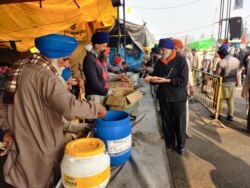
x,y
215,156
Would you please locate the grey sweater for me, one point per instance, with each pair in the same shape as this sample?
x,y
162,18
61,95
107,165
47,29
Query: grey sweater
x,y
227,68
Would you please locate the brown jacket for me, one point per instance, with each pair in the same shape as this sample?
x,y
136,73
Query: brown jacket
x,y
35,121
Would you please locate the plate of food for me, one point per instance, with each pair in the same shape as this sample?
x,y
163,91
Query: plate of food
x,y
155,78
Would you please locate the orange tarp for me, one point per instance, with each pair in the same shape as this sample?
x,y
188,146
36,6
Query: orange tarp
x,y
22,22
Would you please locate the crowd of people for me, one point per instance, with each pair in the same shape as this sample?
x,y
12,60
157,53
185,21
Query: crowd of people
x,y
40,93
232,67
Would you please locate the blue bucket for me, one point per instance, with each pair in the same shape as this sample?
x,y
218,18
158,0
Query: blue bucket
x,y
115,131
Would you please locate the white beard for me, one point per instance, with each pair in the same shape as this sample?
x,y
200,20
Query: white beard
x,y
166,54
59,70
54,63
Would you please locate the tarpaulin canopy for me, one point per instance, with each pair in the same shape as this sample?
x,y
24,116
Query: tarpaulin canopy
x,y
135,33
138,37
20,23
204,44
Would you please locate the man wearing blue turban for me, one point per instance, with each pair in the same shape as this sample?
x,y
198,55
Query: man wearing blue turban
x,y
37,100
95,69
171,75
227,68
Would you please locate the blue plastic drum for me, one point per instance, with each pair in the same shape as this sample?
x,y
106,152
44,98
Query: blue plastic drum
x,y
115,131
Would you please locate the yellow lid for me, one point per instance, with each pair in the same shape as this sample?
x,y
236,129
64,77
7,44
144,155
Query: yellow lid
x,y
85,147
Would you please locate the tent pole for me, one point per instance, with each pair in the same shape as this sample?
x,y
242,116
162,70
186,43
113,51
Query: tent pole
x,y
119,31
124,27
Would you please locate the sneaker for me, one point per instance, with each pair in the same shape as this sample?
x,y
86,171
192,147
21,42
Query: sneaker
x,y
181,151
230,118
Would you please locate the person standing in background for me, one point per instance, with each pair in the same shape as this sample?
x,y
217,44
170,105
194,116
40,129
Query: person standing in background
x,y
118,66
179,46
215,62
239,54
196,64
154,57
206,68
246,87
227,68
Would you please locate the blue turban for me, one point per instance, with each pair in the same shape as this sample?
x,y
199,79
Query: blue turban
x,y
66,73
223,46
100,38
56,45
166,43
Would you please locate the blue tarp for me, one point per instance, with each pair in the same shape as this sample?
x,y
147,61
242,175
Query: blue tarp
x,y
133,62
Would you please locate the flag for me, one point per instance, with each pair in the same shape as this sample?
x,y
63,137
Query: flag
x,y
238,4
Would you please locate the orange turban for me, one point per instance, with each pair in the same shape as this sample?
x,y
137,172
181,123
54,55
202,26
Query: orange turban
x,y
178,43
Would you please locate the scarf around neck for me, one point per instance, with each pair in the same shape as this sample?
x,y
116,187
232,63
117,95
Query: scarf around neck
x,y
171,57
103,66
15,72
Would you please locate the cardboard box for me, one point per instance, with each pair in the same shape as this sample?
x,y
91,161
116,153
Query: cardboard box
x,y
120,85
124,100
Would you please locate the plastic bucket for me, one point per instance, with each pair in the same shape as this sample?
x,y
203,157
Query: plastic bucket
x,y
115,131
85,164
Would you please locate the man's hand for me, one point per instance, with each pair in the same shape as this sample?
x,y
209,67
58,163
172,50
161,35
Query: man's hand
x,y
7,140
144,68
160,80
124,78
148,78
156,79
102,112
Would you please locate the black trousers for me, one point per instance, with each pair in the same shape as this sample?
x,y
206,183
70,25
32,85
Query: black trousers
x,y
173,116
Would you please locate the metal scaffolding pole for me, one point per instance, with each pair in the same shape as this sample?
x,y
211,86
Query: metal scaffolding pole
x,y
226,24
228,14
124,27
119,30
220,19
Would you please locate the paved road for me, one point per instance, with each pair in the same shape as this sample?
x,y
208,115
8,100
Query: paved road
x,y
216,157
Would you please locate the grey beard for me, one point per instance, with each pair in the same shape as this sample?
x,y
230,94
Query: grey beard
x,y
165,56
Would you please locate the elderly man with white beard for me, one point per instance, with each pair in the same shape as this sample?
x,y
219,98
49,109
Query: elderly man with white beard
x,y
37,100
171,74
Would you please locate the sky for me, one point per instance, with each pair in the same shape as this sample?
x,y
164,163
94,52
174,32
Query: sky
x,y
180,18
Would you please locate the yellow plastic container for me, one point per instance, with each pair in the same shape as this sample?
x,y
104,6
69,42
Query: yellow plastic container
x,y
85,164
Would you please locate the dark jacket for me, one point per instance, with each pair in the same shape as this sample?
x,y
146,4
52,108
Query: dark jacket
x,y
95,84
177,71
